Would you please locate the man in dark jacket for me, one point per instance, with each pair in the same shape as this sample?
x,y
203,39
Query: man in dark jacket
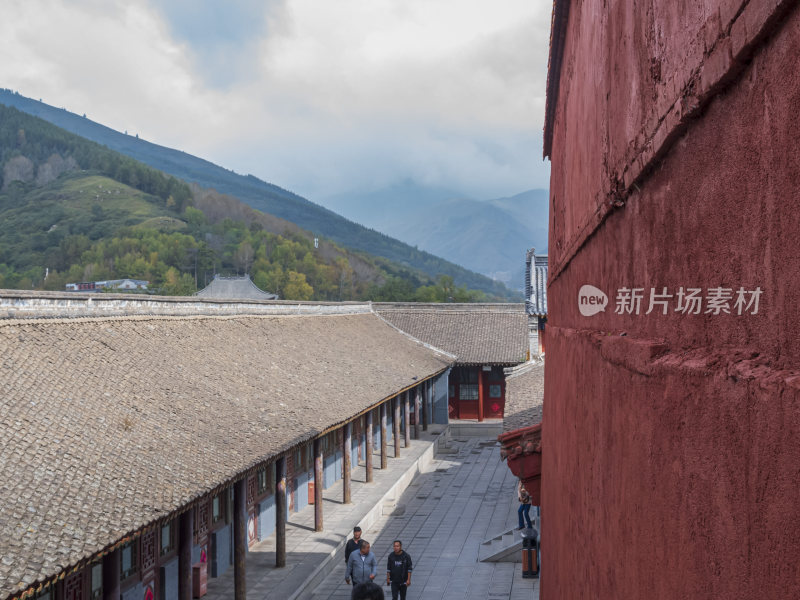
x,y
398,571
352,544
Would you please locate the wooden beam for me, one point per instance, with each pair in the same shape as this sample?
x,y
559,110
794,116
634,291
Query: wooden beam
x,y
396,426
318,484
280,512
369,447
185,540
111,576
384,456
407,416
240,539
348,468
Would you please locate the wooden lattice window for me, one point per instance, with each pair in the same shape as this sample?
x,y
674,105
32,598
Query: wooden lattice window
x,y
149,554
201,515
251,490
73,586
468,384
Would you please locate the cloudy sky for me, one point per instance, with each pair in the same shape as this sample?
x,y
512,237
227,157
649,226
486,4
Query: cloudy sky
x,y
320,97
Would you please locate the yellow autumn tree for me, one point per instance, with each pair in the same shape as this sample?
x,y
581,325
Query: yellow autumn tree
x,y
297,288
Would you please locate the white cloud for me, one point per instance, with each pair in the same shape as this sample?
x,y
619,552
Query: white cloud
x,y
322,96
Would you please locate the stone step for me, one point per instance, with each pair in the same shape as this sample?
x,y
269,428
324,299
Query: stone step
x,y
504,547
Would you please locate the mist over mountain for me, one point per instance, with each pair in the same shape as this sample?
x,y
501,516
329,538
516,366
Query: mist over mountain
x,y
487,236
258,194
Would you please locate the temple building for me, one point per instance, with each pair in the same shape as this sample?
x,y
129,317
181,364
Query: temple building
x,y
241,288
485,338
149,441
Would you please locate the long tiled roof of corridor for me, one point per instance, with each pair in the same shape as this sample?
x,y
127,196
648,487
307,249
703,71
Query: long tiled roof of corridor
x,y
524,396
109,424
475,333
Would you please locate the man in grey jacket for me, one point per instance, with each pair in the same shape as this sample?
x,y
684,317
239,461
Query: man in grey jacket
x,y
361,566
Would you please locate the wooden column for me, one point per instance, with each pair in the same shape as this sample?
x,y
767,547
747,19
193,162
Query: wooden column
x,y
318,484
480,394
433,400
185,534
417,402
280,512
111,576
240,540
396,426
407,415
348,468
425,395
369,447
384,456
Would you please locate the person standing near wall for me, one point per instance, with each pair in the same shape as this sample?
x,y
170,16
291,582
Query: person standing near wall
x,y
524,506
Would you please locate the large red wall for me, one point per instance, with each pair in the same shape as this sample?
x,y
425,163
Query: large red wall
x,y
671,463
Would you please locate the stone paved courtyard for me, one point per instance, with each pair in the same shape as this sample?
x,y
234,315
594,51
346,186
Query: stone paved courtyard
x,y
442,518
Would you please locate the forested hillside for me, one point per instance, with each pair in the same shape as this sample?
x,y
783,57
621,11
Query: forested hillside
x,y
72,210
261,195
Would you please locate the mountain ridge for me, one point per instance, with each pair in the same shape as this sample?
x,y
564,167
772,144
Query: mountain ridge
x,y
264,196
487,236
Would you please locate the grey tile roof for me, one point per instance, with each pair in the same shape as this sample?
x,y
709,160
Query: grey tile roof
x,y
239,288
108,424
476,333
524,396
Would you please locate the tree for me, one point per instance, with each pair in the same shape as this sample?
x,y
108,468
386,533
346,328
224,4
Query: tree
x,y
296,287
243,257
176,284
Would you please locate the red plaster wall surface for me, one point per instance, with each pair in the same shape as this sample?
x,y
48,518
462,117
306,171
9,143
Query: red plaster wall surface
x,y
672,442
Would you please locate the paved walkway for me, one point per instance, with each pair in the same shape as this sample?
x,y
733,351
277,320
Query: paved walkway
x,y
442,518
307,550
462,498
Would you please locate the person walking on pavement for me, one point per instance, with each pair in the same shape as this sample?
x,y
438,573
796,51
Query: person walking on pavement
x,y
398,571
361,566
524,505
352,544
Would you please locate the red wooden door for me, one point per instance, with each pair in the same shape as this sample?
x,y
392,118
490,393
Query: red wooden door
x,y
495,399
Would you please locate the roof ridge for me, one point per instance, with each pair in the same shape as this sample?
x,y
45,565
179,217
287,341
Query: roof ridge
x,y
10,322
417,340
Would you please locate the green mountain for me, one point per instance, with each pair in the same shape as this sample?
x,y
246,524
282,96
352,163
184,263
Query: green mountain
x,y
260,195
72,210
